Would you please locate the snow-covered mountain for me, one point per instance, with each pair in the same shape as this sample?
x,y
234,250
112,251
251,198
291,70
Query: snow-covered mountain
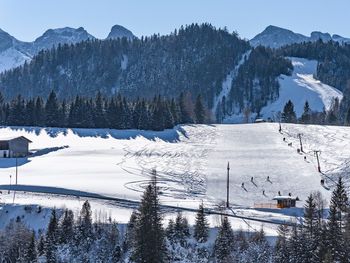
x,y
14,53
118,31
60,35
275,37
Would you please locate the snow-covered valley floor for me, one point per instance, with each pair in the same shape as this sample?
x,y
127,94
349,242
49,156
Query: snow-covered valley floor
x,y
190,162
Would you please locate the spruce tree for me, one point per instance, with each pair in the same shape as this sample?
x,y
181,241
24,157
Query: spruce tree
x,y
281,254
199,110
52,110
181,229
306,116
201,228
31,255
66,227
99,112
347,117
150,238
311,230
185,114
131,231
224,242
85,234
51,239
288,114
170,231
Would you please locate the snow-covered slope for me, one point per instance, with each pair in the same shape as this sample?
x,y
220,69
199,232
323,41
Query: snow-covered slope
x,y
11,58
301,86
191,165
190,161
276,37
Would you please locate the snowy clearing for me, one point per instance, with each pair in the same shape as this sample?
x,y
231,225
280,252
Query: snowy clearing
x,y
190,162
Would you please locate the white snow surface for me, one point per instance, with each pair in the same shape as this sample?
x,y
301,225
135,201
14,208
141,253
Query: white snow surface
x,y
191,165
301,86
11,58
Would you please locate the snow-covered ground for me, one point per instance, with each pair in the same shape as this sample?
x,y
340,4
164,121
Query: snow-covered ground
x,y
301,86
191,166
11,58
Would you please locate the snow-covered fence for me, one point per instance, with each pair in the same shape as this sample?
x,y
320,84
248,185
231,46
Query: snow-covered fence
x,y
265,205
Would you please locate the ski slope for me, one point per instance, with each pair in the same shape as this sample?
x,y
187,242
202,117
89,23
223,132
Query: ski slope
x,y
190,162
302,86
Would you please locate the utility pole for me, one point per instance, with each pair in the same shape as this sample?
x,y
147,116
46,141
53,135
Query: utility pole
x,y
280,127
316,153
228,186
16,169
301,144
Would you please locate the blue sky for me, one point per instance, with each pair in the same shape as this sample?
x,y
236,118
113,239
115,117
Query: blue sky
x,y
28,19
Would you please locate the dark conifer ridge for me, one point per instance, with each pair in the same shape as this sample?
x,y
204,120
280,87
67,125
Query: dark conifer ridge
x,y
116,112
194,59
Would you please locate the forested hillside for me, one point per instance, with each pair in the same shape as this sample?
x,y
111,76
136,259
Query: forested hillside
x,y
194,59
256,82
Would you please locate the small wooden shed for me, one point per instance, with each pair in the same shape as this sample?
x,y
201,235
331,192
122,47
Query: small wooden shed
x,y
14,147
286,201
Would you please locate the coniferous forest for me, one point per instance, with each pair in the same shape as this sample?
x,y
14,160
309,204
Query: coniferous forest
x,y
194,59
69,237
100,112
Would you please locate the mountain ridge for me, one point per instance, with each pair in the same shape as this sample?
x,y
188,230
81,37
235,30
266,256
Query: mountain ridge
x,y
14,52
275,37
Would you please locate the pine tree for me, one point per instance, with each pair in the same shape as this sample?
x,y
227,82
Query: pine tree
x,y
131,231
51,239
52,110
31,255
66,227
306,116
85,224
199,110
311,230
347,117
201,228
181,229
150,238
185,114
281,254
170,231
224,242
311,218
288,114
99,112
334,235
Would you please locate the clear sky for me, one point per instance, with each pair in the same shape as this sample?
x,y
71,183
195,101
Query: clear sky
x,y
28,19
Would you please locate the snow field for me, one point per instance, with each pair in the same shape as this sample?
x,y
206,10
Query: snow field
x,y
191,166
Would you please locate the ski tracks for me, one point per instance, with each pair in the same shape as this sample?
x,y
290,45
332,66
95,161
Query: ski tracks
x,y
180,166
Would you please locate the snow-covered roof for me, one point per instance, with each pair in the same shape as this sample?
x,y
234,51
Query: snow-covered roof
x,y
14,137
286,197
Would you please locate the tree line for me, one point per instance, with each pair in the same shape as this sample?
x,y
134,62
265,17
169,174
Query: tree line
x,y
71,238
116,112
330,117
